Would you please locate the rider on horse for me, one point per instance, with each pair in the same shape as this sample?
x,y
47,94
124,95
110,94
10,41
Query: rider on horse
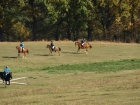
x,y
52,45
82,42
6,71
22,46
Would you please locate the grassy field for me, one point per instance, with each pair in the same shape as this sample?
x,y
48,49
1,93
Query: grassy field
x,y
108,75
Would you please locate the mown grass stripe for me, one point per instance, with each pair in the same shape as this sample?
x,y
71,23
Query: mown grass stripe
x,y
108,66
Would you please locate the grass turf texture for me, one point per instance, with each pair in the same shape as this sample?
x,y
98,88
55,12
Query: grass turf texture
x,y
110,66
108,75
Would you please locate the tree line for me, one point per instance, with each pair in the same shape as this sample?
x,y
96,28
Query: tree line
x,y
35,20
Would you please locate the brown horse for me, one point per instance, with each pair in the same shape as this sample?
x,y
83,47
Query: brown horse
x,y
85,46
22,51
55,49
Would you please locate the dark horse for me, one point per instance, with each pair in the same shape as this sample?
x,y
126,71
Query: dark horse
x,y
55,49
7,78
85,46
22,51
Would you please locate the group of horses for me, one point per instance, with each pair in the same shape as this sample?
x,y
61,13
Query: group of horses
x,y
79,44
56,49
8,77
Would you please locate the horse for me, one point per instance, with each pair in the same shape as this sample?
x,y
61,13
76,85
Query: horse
x,y
55,49
7,78
22,51
85,46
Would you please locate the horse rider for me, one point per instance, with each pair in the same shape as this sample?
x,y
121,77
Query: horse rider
x,y
82,42
52,45
6,71
22,46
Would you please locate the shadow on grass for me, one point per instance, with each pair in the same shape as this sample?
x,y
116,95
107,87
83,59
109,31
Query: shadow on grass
x,y
41,54
70,52
8,57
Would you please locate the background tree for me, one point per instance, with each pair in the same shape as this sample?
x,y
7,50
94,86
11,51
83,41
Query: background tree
x,y
8,17
110,20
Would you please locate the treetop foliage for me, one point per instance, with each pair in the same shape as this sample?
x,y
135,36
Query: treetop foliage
x,y
111,20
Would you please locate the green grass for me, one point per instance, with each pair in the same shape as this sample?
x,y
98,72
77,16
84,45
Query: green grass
x,y
109,66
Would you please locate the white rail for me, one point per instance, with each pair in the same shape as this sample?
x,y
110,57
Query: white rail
x,y
27,82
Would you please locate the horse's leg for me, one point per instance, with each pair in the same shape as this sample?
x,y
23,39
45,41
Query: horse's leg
x,y
9,82
5,84
58,53
3,80
86,51
18,55
54,53
50,51
78,49
24,55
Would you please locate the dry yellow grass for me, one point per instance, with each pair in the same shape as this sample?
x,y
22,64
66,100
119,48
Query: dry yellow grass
x,y
75,89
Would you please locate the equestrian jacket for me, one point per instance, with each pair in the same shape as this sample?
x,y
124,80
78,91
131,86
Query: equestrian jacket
x,y
22,45
6,70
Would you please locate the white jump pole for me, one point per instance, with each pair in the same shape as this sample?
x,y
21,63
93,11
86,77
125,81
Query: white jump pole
x,y
18,82
21,78
18,78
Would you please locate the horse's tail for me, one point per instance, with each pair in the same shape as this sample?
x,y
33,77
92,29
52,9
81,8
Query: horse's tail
x,y
1,75
90,46
59,49
75,44
27,51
